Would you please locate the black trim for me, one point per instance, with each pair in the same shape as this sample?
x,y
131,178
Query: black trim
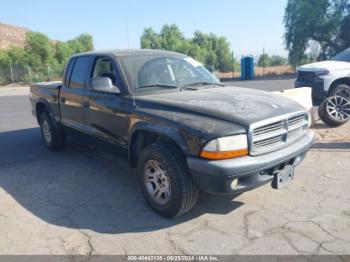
x,y
318,93
68,71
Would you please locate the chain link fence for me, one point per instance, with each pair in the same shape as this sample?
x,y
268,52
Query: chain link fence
x,y
263,67
19,74
261,72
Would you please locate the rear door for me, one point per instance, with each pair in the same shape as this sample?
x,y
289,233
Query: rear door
x,y
72,91
107,115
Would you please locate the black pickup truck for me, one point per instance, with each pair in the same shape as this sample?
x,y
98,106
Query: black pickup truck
x,y
183,129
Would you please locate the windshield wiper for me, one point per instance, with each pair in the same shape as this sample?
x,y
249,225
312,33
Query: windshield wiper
x,y
160,85
204,83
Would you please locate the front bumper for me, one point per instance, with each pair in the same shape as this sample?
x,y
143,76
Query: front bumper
x,y
217,176
318,93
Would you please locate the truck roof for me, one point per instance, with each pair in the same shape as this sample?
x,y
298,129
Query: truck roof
x,y
132,52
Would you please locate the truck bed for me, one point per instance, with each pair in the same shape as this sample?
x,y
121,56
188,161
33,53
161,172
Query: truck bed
x,y
47,93
53,84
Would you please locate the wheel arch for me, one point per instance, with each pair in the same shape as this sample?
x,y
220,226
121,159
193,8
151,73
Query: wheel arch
x,y
39,109
43,106
339,81
144,135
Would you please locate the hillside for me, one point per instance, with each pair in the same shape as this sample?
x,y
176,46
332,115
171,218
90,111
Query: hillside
x,y
11,35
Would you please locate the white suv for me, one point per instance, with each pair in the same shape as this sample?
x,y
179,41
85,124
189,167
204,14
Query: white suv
x,y
327,78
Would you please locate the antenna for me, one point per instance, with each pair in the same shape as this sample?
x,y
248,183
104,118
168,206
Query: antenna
x,y
132,83
133,97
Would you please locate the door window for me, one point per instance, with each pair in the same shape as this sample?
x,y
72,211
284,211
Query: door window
x,y
80,72
104,68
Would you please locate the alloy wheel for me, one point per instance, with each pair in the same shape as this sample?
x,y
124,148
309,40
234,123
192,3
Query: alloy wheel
x,y
46,131
338,108
157,182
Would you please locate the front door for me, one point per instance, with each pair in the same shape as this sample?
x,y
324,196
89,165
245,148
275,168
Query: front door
x,y
107,115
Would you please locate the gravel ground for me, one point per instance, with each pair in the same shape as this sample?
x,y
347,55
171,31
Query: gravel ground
x,y
326,134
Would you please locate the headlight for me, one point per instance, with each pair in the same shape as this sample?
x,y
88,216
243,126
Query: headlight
x,y
226,147
322,73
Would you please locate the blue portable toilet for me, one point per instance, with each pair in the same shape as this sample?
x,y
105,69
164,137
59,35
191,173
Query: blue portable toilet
x,y
247,68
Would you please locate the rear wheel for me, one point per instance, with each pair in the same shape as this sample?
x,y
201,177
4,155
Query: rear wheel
x,y
335,111
54,139
165,180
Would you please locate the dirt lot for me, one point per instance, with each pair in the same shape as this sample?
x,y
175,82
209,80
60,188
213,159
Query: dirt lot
x,y
84,200
325,134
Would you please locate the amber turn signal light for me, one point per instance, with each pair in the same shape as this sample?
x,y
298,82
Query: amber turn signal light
x,y
223,155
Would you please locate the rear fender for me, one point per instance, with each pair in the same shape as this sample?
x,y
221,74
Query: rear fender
x,y
48,109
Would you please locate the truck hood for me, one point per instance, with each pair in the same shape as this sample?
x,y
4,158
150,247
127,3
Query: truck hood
x,y
325,65
240,106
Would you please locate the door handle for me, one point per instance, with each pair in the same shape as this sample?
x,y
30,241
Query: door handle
x,y
86,104
63,100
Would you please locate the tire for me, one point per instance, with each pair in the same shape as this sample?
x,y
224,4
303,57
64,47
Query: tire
x,y
341,90
169,165
53,138
332,116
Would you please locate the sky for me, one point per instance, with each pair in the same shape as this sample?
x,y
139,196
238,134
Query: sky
x,y
249,25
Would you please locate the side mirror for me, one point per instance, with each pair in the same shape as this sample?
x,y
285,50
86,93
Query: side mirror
x,y
103,85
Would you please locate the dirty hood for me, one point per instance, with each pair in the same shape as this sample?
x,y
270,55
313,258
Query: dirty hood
x,y
237,105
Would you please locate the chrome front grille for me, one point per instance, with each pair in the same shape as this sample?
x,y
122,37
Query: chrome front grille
x,y
270,135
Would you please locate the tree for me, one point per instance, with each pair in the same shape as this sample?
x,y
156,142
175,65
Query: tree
x,y
16,56
171,38
314,20
41,58
274,60
264,60
223,54
344,34
217,51
38,49
62,52
192,50
277,60
81,43
213,51
150,39
205,44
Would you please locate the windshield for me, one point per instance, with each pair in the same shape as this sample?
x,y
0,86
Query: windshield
x,y
155,71
343,56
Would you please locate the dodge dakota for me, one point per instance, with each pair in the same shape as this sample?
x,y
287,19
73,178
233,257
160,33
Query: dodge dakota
x,y
183,129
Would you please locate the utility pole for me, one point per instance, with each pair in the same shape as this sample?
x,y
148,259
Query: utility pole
x,y
29,74
263,62
48,72
233,66
13,79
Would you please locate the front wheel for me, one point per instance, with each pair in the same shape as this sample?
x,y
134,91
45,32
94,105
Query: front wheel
x,y
335,111
165,181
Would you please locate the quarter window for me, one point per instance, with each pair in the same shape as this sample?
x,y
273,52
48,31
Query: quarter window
x,y
69,71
